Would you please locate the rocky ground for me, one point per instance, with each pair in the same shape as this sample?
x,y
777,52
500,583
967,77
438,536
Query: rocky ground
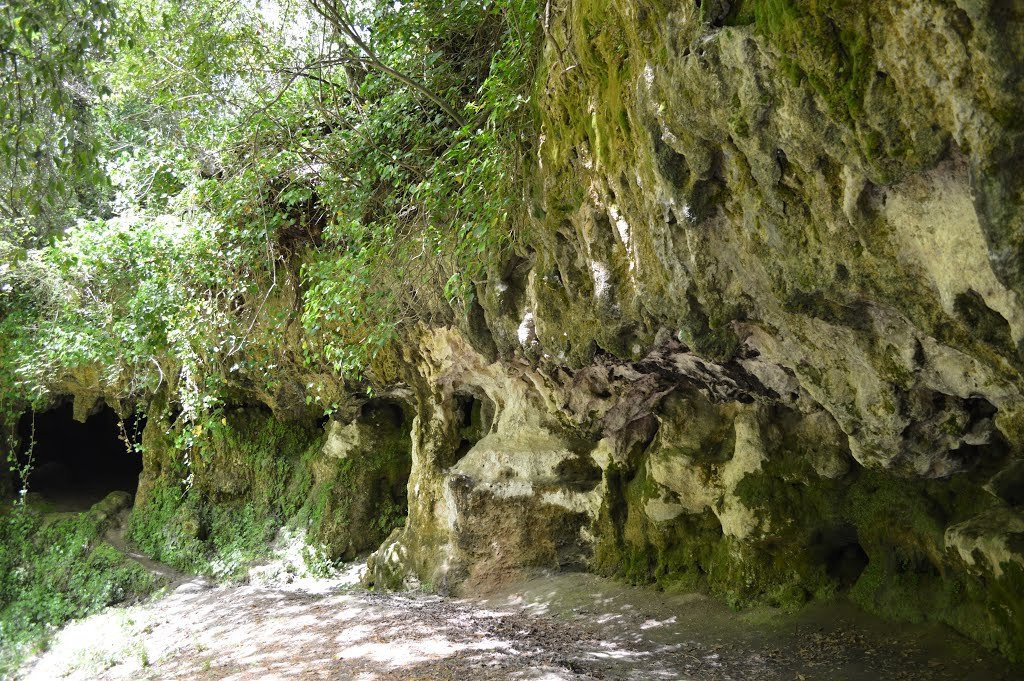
x,y
552,628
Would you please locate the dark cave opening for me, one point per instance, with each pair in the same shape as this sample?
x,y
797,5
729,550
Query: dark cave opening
x,y
385,413
845,558
475,415
74,464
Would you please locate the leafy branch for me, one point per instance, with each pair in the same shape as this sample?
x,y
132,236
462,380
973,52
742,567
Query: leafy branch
x,y
338,16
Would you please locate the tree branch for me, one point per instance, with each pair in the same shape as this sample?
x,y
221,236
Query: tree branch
x,y
338,18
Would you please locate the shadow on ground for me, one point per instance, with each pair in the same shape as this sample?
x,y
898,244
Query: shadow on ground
x,y
563,627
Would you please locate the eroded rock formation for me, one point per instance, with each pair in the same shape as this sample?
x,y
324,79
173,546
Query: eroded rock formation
x,y
765,341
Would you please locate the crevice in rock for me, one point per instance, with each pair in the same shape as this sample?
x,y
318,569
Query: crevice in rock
x,y
479,332
1008,483
672,166
515,273
579,474
475,415
984,322
384,412
376,484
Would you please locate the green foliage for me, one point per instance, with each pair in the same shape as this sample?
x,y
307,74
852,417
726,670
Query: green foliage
x,y
47,80
236,154
159,295
167,310
53,570
421,208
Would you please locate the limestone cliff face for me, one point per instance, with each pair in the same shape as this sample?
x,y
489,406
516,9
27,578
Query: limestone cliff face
x,y
767,337
795,190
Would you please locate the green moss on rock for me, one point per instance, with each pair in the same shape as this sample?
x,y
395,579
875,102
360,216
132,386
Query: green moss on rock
x,y
57,568
251,474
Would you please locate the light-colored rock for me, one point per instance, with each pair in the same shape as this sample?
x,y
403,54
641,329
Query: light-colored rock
x,y
990,540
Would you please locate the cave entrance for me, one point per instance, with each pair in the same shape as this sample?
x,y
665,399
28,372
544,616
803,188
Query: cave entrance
x,y
77,464
844,557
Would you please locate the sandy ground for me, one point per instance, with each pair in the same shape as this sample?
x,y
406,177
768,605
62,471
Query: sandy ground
x,y
559,627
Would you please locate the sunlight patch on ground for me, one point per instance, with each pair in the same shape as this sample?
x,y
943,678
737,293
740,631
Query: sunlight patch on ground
x,y
575,627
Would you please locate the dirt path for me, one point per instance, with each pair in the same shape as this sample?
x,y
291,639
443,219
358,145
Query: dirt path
x,y
575,627
115,537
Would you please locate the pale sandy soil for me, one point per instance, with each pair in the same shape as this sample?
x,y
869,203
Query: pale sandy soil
x,y
576,627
